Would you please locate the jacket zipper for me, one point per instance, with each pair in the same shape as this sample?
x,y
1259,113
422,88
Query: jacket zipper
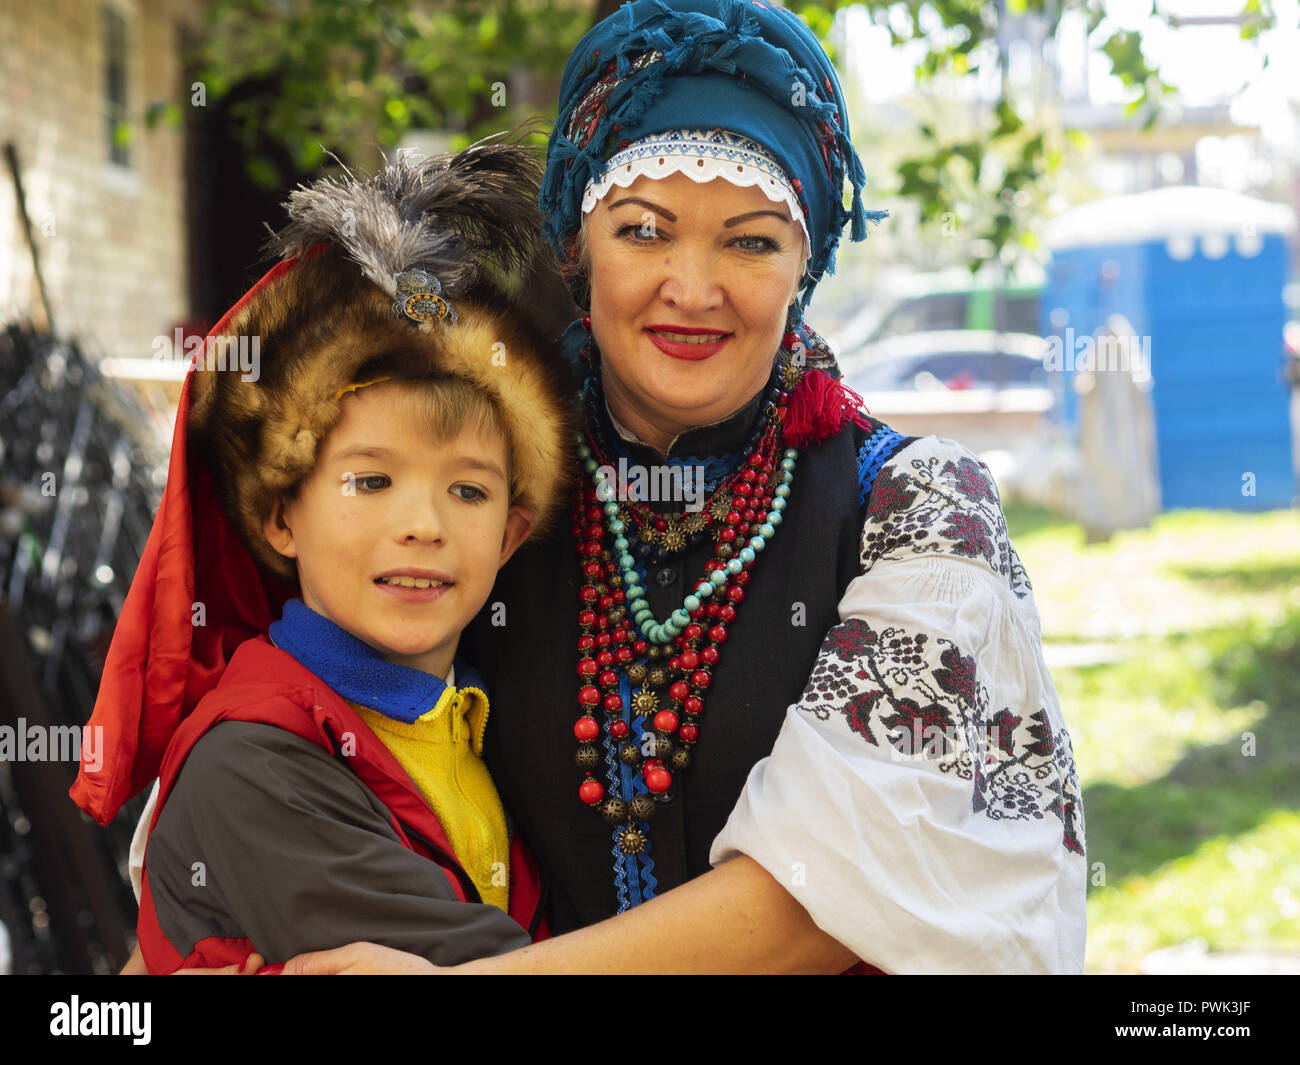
x,y
481,828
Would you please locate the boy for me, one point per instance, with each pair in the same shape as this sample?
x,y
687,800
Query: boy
x,y
401,438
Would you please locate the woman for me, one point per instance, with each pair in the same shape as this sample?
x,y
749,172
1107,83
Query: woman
x,y
821,730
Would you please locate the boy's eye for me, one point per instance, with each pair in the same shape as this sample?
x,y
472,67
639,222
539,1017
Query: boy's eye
x,y
470,494
366,482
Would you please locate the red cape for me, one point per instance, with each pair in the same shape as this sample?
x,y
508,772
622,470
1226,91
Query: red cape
x,y
193,600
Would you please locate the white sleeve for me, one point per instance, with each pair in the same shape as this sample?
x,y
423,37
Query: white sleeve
x,y
135,862
921,800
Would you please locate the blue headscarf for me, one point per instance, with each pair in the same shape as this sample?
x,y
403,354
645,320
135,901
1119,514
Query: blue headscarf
x,y
743,66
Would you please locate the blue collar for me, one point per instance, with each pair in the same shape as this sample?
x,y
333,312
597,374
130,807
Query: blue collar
x,y
357,671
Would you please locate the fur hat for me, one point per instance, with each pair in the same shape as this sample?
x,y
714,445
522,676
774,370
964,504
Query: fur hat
x,y
411,273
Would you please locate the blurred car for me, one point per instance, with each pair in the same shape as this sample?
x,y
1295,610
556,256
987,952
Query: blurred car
x,y
989,391
974,308
957,359
905,304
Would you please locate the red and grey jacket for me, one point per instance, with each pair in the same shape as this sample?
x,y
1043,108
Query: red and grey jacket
x,y
293,828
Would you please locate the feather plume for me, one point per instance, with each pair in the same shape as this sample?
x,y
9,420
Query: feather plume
x,y
465,218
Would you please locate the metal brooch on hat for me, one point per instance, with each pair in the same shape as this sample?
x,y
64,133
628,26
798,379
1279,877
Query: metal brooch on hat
x,y
418,297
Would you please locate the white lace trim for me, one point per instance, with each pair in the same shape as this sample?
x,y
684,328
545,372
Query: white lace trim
x,y
701,155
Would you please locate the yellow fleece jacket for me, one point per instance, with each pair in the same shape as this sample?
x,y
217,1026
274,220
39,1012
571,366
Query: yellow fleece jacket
x,y
442,752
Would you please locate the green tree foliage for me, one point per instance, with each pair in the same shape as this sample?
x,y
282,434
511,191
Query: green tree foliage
x,y
993,179
354,76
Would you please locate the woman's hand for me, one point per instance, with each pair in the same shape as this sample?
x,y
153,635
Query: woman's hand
x,y
356,959
135,966
360,959
247,967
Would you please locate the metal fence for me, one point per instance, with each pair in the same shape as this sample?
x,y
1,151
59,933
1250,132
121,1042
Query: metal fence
x,y
80,480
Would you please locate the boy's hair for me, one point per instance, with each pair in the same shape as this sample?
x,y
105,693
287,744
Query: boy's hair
x,y
447,406
444,406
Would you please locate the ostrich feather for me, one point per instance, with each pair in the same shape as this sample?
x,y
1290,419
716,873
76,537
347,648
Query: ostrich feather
x,y
464,218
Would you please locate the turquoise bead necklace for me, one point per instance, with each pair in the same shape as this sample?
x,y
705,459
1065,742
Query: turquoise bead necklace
x,y
664,633
675,657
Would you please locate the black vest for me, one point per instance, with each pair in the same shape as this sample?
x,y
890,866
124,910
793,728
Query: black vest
x,y
529,664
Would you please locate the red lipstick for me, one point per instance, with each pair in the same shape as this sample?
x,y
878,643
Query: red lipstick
x,y
682,350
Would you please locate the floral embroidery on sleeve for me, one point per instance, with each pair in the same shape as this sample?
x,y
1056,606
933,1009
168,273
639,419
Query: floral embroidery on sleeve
x,y
944,502
920,698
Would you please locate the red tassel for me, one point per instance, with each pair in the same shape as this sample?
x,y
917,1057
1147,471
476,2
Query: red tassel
x,y
820,407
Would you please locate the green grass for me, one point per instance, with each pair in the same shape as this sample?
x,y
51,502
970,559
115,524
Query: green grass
x,y
1131,722
1191,571
1188,746
1236,892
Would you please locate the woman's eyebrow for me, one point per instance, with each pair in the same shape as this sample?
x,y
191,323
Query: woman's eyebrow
x,y
645,203
754,214
673,218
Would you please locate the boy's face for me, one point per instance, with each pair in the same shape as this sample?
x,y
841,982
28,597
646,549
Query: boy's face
x,y
386,501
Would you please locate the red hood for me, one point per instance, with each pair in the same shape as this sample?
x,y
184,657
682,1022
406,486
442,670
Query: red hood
x,y
161,662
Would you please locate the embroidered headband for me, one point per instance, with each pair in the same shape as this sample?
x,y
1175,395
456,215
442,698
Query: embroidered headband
x,y
701,155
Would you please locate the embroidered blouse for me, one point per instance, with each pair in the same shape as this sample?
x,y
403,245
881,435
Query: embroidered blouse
x,y
921,800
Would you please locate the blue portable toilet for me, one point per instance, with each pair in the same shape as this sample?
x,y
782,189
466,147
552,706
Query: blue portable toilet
x,y
1199,274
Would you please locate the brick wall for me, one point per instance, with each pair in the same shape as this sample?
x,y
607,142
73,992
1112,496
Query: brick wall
x,y
112,238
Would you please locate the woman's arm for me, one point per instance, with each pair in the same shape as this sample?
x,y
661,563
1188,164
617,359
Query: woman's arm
x,y
921,799
733,919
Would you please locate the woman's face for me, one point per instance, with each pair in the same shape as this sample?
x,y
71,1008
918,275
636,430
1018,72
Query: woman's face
x,y
690,285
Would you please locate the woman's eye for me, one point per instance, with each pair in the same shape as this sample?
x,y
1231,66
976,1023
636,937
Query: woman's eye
x,y
757,243
470,494
366,483
642,234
